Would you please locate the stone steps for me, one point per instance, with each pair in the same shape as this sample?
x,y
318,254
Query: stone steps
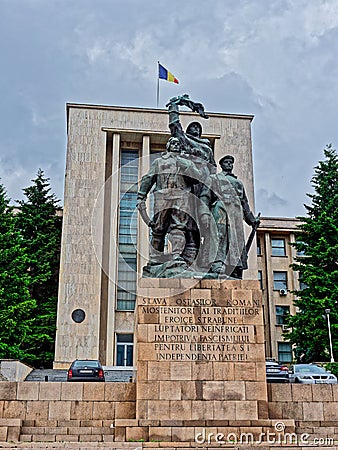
x,y
66,431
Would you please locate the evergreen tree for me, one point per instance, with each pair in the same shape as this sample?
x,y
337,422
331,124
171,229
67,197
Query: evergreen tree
x,y
17,309
317,240
39,221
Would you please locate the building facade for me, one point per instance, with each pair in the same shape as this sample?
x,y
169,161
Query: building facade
x,y
278,280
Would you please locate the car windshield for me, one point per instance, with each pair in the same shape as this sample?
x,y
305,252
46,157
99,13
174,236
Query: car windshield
x,y
308,368
86,363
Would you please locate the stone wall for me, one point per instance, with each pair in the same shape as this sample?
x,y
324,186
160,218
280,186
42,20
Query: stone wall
x,y
313,407
105,412
37,411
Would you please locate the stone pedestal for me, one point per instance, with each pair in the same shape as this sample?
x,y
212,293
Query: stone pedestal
x,y
200,351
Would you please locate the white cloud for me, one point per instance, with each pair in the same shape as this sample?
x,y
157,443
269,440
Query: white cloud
x,y
272,58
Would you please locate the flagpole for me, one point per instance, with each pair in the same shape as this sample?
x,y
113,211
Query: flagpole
x,y
158,85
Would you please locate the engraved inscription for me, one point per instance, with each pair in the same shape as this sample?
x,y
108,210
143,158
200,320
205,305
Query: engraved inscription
x,y
200,330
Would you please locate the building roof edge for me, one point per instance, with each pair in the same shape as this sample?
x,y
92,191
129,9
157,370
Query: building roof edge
x,y
159,111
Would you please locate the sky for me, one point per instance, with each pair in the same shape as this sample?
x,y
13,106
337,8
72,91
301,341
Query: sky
x,y
275,59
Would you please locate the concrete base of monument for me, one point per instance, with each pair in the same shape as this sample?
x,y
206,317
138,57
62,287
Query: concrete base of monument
x,y
204,433
178,268
200,357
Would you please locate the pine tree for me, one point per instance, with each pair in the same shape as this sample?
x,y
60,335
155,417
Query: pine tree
x,y
17,308
317,240
39,221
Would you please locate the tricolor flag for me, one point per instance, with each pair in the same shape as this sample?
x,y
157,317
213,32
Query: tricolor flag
x,y
164,74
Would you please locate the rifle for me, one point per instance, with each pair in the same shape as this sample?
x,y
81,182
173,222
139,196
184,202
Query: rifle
x,y
252,234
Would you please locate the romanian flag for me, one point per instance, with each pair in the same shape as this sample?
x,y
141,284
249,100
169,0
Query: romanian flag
x,y
165,74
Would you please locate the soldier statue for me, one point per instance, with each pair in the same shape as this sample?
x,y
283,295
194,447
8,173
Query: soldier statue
x,y
225,196
201,151
173,175
190,201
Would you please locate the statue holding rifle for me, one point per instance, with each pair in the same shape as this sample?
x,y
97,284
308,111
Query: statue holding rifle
x,y
192,202
172,175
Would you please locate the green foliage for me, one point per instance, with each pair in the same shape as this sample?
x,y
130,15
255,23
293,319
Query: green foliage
x,y
29,259
317,239
17,308
40,226
333,368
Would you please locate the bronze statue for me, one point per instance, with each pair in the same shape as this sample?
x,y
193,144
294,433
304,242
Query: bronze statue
x,y
191,201
201,151
225,196
173,175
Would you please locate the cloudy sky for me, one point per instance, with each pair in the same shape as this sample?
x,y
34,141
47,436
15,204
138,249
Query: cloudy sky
x,y
276,59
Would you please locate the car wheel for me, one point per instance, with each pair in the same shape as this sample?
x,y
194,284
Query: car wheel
x,y
297,380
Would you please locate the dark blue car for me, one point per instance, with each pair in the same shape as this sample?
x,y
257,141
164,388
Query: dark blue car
x,y
85,370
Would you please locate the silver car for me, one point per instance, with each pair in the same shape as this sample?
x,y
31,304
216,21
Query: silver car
x,y
310,374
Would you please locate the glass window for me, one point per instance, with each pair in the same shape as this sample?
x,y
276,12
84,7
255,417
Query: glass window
x,y
302,285
284,352
281,313
260,279
259,248
127,261
301,252
278,247
280,281
124,349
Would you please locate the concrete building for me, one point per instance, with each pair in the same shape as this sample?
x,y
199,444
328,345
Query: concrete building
x,y
274,256
105,244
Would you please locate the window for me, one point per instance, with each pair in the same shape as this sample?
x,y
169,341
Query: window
x,y
280,281
284,352
259,248
301,251
260,279
278,247
124,349
281,313
302,285
126,286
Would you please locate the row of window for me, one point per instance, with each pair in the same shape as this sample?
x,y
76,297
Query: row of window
x,y
278,247
124,349
280,280
284,352
127,260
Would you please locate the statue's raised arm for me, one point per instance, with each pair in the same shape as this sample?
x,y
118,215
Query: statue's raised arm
x,y
184,100
191,140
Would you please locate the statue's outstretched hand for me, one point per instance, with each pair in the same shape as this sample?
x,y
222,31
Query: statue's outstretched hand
x,y
199,108
179,100
184,100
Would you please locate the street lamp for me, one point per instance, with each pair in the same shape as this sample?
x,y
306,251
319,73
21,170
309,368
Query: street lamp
x,y
327,312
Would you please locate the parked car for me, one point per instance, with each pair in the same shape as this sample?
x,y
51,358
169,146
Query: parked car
x,y
311,374
276,373
85,370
